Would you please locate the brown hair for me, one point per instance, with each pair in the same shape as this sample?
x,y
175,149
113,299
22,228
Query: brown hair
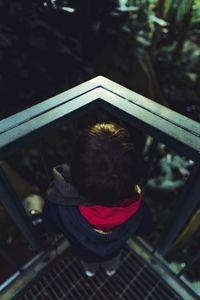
x,y
105,164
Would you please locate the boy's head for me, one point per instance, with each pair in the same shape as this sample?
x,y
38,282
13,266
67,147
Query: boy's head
x,y
105,165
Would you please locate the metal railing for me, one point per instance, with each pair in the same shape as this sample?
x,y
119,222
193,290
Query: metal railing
x,y
178,132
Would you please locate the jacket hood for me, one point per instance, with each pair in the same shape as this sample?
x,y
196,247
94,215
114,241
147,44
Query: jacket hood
x,y
101,244
61,191
107,218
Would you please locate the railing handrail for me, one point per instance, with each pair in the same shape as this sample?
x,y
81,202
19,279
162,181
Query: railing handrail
x,y
164,124
99,81
154,117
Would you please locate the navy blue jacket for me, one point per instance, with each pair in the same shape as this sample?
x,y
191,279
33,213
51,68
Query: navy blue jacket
x,y
61,214
88,244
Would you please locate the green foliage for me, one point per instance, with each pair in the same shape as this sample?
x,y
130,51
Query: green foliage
x,y
45,49
183,8
174,169
196,12
168,5
49,48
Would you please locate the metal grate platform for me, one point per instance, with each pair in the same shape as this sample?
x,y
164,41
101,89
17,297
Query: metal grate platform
x,y
64,279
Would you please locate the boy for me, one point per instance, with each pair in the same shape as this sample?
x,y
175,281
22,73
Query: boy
x,y
97,203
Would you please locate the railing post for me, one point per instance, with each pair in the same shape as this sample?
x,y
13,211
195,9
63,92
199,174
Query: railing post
x,y
45,162
189,264
149,163
187,203
7,257
12,204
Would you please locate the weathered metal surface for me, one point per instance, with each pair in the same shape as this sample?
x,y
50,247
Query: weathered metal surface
x,y
180,133
168,126
12,204
187,203
134,280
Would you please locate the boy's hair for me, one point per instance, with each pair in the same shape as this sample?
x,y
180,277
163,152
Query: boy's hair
x,y
105,165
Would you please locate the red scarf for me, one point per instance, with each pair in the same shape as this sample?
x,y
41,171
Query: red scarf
x,y
107,218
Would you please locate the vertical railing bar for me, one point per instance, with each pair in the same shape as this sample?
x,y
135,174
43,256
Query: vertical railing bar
x,y
186,204
12,204
75,125
189,263
44,161
7,257
149,163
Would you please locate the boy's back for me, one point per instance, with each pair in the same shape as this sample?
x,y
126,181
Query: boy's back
x,y
98,204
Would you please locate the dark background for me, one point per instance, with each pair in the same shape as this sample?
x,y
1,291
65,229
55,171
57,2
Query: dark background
x,y
47,47
151,47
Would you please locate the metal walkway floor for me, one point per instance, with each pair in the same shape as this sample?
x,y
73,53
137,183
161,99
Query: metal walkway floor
x,y
64,279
